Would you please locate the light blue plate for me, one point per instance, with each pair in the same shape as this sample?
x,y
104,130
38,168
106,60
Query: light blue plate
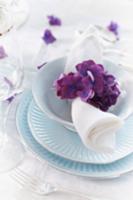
x,y
90,170
61,141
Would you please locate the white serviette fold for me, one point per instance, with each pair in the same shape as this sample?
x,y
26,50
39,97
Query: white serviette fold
x,y
86,46
5,19
96,129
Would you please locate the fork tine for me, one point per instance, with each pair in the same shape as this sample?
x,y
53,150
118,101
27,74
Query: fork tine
x,y
23,184
24,179
18,179
20,175
27,176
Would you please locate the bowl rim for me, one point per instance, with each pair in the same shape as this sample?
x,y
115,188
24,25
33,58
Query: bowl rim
x,y
49,113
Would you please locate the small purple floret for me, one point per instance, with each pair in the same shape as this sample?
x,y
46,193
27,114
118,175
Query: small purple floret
x,y
54,21
48,37
113,27
68,86
87,92
110,94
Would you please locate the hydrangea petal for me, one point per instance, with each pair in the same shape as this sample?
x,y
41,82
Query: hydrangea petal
x,y
2,52
114,28
54,21
48,37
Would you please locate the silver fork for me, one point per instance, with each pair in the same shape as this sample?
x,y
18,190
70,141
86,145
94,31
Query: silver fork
x,y
42,187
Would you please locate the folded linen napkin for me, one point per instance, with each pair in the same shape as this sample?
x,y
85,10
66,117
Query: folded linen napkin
x,y
96,128
86,46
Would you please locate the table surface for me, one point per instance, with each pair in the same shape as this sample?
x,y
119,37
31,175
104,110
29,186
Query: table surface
x,y
75,15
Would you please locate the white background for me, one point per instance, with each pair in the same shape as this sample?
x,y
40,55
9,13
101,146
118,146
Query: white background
x,y
75,14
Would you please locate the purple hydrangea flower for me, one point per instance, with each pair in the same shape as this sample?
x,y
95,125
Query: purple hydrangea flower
x,y
54,21
48,37
2,52
91,83
113,27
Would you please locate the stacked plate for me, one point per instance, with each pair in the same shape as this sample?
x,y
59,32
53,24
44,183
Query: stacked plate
x,y
61,147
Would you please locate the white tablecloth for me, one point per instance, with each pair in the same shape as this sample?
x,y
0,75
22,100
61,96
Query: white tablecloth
x,y
75,15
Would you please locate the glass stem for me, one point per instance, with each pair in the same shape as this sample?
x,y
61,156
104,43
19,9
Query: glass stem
x,y
4,109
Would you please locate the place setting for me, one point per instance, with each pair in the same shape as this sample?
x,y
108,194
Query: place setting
x,y
78,114
66,112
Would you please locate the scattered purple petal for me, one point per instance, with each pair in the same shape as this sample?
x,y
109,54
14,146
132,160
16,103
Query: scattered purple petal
x,y
114,28
2,52
54,21
48,37
8,81
10,99
40,66
91,83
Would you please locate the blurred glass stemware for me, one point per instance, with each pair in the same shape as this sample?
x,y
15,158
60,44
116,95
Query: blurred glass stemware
x,y
11,78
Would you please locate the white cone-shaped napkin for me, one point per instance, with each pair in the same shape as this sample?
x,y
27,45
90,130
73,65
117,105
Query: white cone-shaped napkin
x,y
96,128
5,20
86,46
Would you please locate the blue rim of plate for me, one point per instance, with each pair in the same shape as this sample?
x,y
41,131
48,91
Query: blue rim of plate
x,y
89,170
61,141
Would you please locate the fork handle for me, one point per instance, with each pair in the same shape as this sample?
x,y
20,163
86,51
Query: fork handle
x,y
78,194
